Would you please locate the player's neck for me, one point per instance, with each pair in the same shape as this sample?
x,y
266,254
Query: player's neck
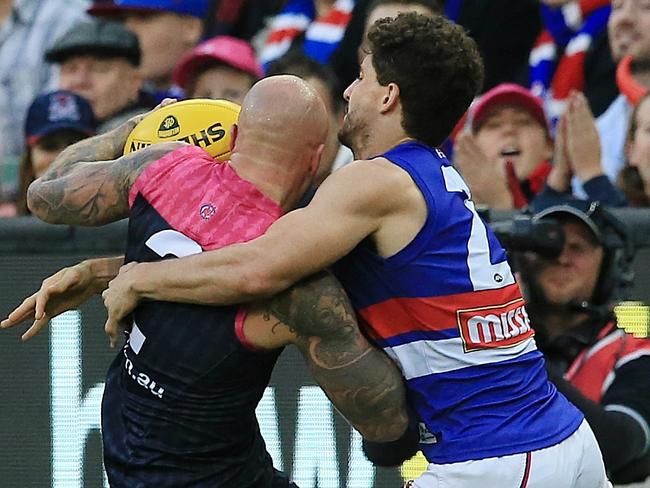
x,y
275,185
376,135
375,146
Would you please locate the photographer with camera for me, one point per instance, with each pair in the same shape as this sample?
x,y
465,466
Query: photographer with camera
x,y
603,370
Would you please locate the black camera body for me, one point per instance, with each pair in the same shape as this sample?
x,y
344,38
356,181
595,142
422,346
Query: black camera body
x,y
542,233
523,233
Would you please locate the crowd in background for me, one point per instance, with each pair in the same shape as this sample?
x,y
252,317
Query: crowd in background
x,y
564,112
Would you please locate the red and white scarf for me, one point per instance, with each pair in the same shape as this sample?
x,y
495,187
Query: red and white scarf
x,y
569,30
322,34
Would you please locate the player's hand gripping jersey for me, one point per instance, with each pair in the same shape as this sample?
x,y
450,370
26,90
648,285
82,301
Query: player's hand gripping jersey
x,y
448,310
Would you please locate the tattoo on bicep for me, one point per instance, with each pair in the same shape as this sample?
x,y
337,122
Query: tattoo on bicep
x,y
362,381
90,193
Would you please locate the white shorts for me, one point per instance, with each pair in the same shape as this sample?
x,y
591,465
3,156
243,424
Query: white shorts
x,y
576,462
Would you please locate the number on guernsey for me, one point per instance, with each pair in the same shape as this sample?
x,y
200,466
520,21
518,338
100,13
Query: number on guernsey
x,y
482,273
172,242
164,243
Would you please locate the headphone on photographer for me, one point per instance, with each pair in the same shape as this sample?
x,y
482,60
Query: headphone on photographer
x,y
616,273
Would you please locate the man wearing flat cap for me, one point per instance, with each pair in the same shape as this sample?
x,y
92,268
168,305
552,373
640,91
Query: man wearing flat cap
x,y
100,61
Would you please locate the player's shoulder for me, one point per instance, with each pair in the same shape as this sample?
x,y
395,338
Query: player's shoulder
x,y
375,184
375,174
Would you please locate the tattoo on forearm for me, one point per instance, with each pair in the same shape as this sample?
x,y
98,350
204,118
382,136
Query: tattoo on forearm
x,y
103,147
362,381
82,191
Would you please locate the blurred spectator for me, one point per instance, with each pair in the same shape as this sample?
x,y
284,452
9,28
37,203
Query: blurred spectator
x,y
322,78
28,28
99,60
577,156
314,27
221,67
600,368
558,60
505,31
629,38
55,121
634,178
391,8
505,158
241,18
166,29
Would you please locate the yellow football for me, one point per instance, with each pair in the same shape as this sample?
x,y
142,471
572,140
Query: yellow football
x,y
203,122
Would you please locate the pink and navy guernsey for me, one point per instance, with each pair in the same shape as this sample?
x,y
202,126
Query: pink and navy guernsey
x,y
447,309
180,398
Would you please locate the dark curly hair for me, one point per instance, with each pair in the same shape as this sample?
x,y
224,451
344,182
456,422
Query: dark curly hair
x,y
436,65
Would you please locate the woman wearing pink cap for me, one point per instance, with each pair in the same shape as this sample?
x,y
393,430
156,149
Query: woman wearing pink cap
x,y
221,67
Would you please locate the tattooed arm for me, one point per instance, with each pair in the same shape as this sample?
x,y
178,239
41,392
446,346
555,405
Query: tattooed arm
x,y
361,381
88,183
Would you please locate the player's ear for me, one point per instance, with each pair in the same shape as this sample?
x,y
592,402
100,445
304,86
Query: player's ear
x,y
315,162
391,98
234,130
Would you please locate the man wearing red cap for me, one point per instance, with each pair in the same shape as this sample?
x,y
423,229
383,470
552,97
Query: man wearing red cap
x,y
505,157
221,67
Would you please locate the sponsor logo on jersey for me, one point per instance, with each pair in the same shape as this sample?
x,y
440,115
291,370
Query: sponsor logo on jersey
x,y
504,325
206,211
142,379
169,127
